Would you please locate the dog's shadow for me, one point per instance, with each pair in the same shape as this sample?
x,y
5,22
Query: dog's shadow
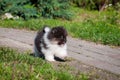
x,y
43,57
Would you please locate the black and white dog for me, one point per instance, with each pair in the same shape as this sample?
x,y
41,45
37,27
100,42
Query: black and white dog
x,y
51,42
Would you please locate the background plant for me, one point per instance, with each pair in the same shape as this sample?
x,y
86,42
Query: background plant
x,y
54,8
34,9
95,4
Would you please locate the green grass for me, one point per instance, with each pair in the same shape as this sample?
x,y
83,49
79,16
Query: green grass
x,y
18,66
100,27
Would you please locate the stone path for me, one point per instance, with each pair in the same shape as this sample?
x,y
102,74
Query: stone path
x,y
97,55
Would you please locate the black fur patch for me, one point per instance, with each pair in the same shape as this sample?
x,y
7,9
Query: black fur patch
x,y
59,34
39,40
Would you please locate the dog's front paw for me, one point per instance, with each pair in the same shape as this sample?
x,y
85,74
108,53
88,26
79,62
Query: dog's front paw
x,y
61,54
50,58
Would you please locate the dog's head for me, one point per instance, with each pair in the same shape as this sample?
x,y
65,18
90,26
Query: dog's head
x,y
58,34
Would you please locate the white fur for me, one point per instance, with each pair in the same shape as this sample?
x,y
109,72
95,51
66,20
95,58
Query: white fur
x,y
53,50
47,29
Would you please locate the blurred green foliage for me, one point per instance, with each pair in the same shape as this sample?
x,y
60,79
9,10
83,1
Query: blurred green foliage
x,y
36,8
95,4
22,9
52,8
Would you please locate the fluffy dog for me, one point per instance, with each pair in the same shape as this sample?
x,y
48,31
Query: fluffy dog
x,y
51,42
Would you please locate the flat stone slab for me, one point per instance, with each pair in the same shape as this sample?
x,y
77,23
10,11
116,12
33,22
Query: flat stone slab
x,y
97,55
